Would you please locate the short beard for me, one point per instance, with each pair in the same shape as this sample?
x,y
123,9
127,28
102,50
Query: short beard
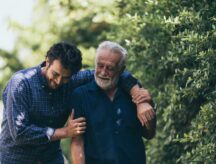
x,y
106,84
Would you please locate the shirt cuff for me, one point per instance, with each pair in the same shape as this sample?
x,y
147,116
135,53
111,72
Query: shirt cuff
x,y
49,132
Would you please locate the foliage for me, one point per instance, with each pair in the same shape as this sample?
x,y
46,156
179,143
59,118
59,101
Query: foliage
x,y
81,22
8,65
171,47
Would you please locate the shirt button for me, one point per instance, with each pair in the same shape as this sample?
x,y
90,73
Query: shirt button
x,y
118,111
52,107
50,93
118,122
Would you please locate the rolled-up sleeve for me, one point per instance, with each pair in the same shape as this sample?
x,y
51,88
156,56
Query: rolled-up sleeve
x,y
17,105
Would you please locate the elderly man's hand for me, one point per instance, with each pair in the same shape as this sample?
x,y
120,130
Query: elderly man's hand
x,y
141,95
146,114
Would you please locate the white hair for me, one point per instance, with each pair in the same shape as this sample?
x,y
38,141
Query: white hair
x,y
113,47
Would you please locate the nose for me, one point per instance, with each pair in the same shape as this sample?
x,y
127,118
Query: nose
x,y
58,80
104,71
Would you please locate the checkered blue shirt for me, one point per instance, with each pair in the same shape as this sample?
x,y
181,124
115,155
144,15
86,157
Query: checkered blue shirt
x,y
32,111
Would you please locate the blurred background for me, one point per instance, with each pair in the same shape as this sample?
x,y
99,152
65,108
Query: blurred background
x,y
171,46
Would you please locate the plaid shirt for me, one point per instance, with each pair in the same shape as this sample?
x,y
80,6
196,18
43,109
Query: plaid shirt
x,y
32,111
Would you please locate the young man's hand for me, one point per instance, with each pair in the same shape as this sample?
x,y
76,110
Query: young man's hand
x,y
75,126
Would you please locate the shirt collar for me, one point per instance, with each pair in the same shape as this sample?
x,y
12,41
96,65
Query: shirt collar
x,y
42,78
93,86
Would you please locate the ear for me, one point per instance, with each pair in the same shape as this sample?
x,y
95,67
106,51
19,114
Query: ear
x,y
47,62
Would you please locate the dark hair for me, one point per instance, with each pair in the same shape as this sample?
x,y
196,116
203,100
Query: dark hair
x,y
68,54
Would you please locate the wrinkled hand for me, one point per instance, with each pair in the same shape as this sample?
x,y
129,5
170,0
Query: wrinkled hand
x,y
146,114
141,95
75,126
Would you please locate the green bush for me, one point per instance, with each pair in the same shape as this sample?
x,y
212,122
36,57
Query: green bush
x,y
171,48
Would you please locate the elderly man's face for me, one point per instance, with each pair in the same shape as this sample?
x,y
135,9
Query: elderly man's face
x,y
107,71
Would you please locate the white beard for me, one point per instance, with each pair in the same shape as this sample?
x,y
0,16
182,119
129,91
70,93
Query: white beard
x,y
106,84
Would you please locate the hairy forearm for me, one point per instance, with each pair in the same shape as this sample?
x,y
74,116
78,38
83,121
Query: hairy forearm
x,y
145,112
134,89
140,95
77,150
149,130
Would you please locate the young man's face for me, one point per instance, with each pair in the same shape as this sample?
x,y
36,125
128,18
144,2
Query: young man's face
x,y
56,74
107,71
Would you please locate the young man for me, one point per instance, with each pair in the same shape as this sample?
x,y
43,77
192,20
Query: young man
x,y
36,107
114,133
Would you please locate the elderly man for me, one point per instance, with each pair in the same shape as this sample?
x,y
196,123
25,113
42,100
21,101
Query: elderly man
x,y
114,133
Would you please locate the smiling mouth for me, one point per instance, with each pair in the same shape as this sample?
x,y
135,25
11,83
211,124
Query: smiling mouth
x,y
103,78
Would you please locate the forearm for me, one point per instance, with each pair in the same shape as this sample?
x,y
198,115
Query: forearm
x,y
134,89
30,135
24,133
58,134
140,95
149,130
77,150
